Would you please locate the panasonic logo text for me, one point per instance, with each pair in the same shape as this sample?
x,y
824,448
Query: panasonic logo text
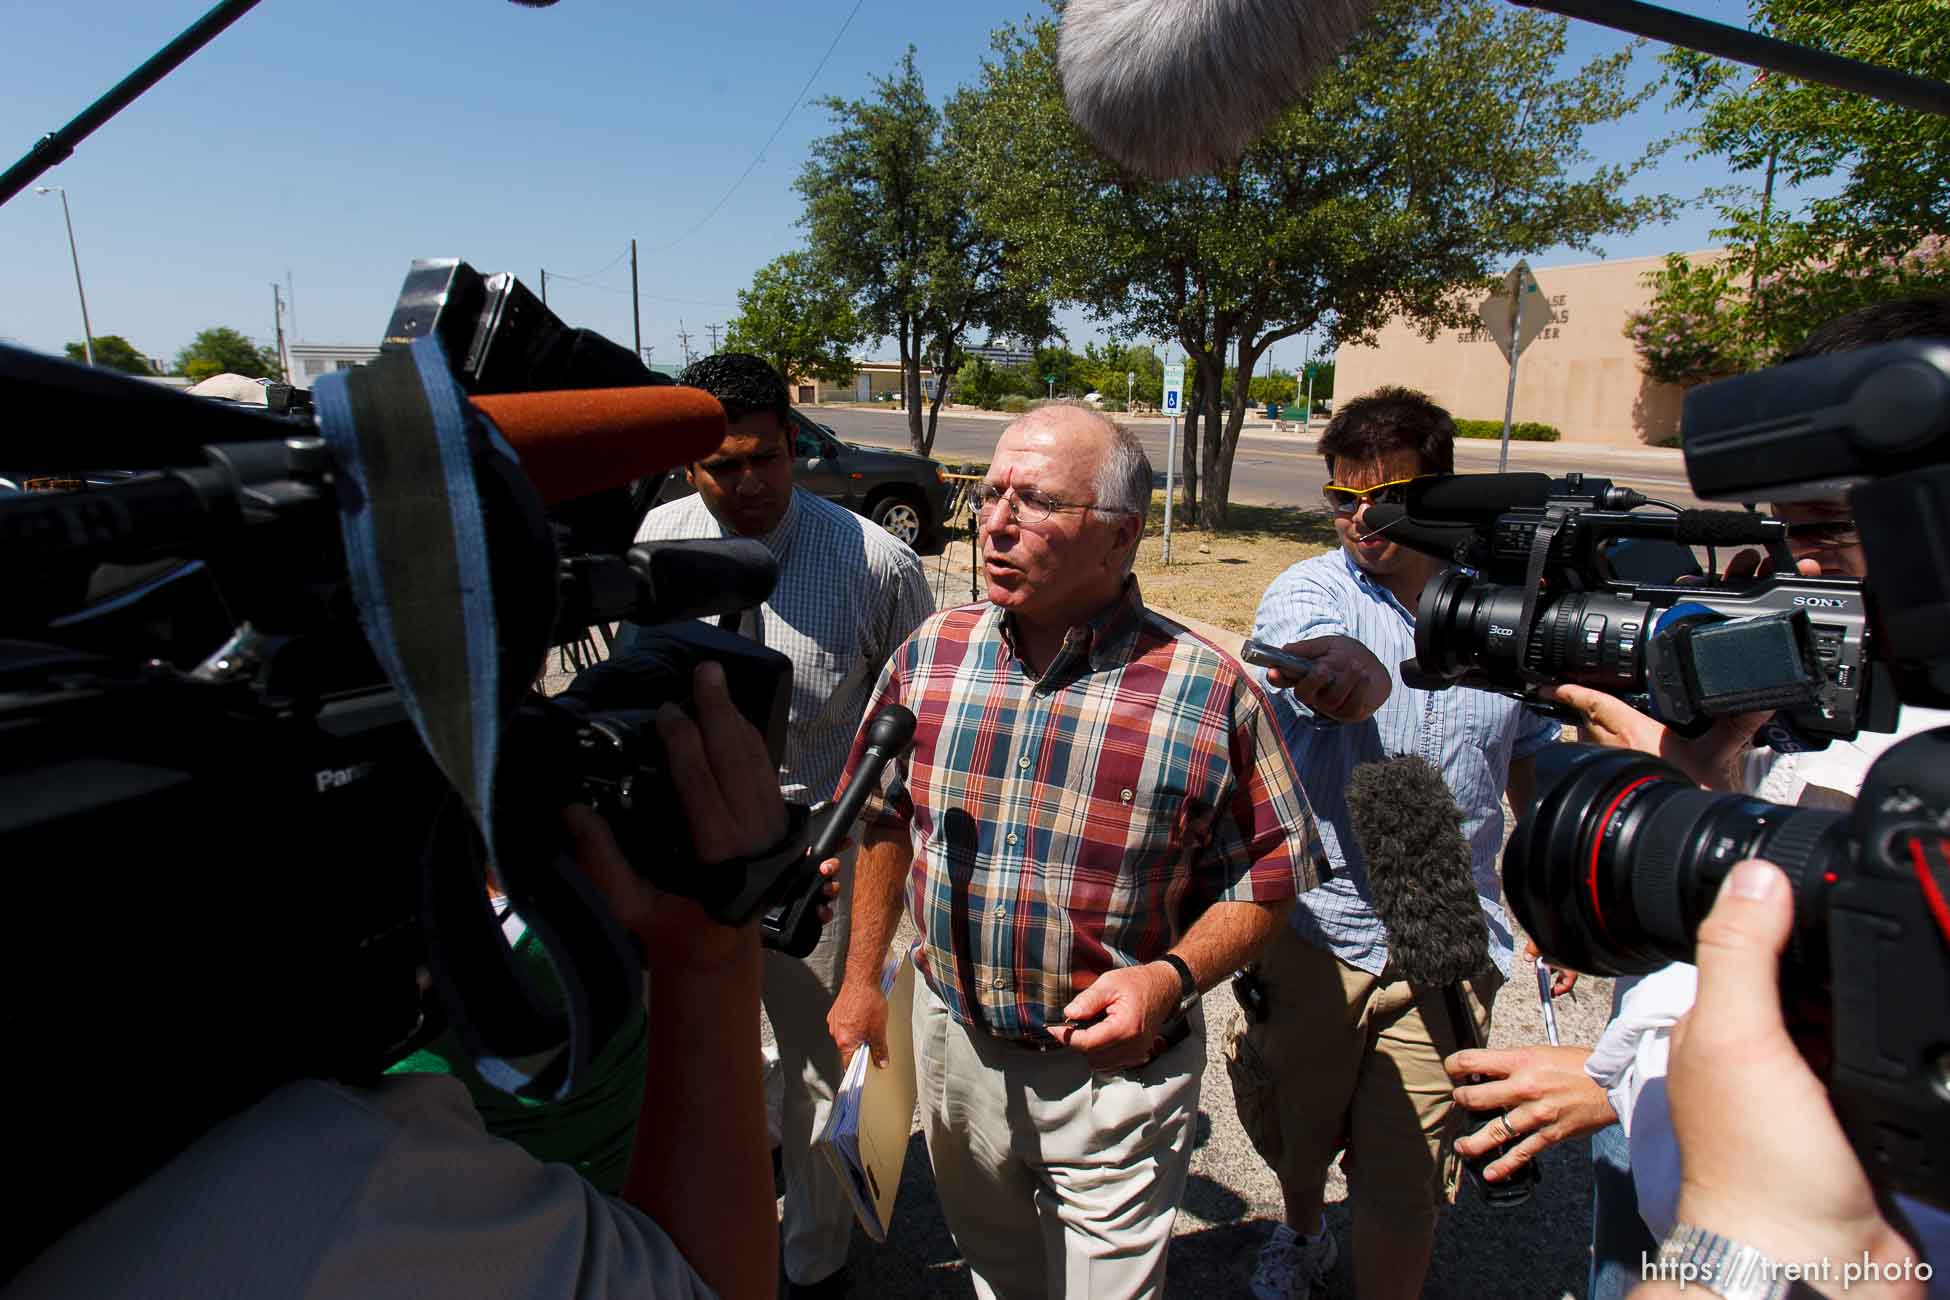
x,y
332,778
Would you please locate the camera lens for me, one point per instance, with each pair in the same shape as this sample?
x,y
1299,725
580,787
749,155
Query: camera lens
x,y
1621,857
1465,627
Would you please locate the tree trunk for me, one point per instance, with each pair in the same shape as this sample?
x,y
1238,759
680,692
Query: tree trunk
x,y
910,345
1218,474
1188,465
946,378
1211,387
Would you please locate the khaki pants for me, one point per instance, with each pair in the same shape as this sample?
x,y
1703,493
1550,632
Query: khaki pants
x,y
1056,1181
1346,1061
798,992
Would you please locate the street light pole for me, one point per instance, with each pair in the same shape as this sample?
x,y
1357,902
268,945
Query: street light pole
x,y
87,332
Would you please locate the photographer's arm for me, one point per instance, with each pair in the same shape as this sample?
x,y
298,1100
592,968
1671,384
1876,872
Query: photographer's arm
x,y
701,1166
1711,759
859,1013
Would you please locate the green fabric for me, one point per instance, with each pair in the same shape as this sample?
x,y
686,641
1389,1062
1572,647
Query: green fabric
x,y
592,1130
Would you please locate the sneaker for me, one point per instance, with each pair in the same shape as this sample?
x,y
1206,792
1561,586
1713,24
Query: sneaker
x,y
1291,1266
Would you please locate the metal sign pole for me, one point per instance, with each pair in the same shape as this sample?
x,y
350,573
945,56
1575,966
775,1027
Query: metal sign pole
x,y
1510,396
1171,471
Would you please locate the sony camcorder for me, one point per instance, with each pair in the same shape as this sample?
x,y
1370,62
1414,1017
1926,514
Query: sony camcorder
x,y
1620,857
1550,590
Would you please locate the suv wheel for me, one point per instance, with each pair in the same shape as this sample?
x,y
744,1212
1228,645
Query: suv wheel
x,y
899,516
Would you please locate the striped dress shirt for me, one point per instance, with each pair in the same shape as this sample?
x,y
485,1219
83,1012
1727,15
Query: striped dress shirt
x,y
1069,824
1470,736
848,593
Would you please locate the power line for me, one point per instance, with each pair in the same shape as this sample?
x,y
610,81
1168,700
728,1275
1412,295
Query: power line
x,y
585,279
759,157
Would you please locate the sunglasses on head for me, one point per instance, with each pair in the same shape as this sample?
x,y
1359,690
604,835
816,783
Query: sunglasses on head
x,y
1346,500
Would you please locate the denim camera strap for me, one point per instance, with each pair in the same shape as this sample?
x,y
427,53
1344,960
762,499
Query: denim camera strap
x,y
407,448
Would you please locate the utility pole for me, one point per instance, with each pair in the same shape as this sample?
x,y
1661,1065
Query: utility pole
x,y
87,330
684,341
647,352
545,286
636,311
277,314
712,330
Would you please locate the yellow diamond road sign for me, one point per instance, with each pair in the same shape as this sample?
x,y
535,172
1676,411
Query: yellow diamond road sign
x,y
1499,310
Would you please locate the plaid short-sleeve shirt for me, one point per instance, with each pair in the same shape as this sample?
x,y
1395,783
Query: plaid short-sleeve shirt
x,y
1069,824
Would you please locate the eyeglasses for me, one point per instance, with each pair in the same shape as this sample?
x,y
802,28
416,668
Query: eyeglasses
x,y
1838,530
1839,534
1030,506
1346,500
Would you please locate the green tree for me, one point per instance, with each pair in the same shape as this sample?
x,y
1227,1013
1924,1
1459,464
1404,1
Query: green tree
x,y
889,215
113,352
1883,173
222,350
1442,143
798,319
1105,369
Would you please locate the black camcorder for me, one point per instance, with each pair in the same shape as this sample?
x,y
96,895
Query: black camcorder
x,y
1620,857
1542,597
246,815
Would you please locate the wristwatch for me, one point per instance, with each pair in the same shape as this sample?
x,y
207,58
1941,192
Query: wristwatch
x,y
1719,1265
1187,986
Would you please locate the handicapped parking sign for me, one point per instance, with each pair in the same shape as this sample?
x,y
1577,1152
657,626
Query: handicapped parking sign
x,y
1174,388
1171,400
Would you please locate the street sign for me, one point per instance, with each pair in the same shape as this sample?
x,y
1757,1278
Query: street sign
x,y
1174,389
1500,311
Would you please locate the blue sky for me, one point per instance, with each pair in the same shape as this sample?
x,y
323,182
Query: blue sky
x,y
338,140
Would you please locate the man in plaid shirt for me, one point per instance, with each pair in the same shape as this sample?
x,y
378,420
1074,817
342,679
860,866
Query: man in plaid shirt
x,y
1098,821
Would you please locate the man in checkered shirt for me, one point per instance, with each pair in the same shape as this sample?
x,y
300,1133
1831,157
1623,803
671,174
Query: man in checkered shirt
x,y
1097,822
847,594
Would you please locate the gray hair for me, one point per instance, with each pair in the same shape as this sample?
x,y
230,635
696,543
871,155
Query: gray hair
x,y
1123,482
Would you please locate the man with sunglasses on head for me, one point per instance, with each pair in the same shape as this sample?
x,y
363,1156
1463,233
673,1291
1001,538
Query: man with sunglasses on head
x,y
1097,822
1345,1056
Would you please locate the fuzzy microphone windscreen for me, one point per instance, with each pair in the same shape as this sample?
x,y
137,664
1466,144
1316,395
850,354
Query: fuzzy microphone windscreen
x,y
1178,87
1420,875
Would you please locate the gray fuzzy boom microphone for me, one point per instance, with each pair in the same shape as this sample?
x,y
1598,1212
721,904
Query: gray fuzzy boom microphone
x,y
1173,88
1422,881
1421,875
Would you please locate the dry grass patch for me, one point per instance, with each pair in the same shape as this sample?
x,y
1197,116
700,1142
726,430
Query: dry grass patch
x,y
1219,577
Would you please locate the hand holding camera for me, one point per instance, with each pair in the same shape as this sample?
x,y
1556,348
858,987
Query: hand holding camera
x,y
1738,1085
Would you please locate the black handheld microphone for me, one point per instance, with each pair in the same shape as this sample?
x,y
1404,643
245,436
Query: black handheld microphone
x,y
792,925
1422,881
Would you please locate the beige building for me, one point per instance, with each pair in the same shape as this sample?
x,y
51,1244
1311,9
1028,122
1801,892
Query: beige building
x,y
1580,375
873,381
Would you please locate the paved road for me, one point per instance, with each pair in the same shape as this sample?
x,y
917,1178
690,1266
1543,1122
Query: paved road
x,y
1283,468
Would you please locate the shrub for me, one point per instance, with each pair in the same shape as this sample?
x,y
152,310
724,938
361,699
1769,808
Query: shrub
x,y
1013,404
1521,431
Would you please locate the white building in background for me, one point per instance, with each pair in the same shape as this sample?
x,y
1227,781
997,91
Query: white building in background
x,y
310,360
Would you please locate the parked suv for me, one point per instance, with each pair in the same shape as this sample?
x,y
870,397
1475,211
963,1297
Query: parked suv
x,y
903,493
